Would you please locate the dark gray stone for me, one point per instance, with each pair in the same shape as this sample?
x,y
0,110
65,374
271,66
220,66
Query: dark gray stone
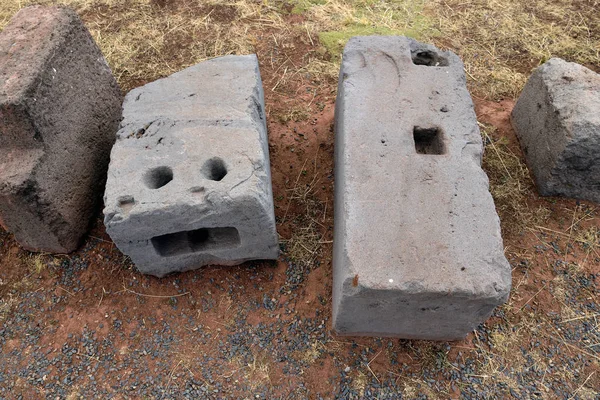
x,y
417,247
60,107
189,181
557,121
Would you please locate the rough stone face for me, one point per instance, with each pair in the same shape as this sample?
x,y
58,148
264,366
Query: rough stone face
x,y
557,121
60,107
417,245
189,182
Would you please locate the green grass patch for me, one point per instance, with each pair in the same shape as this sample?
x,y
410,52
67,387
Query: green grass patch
x,y
335,41
302,6
338,21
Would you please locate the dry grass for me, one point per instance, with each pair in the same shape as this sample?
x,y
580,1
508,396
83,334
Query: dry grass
x,y
512,353
310,354
143,40
359,382
496,361
74,395
304,246
524,326
227,312
510,184
296,114
580,230
36,263
7,303
500,41
589,239
258,371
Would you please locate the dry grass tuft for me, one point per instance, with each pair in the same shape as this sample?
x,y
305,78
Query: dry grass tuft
x,y
590,240
74,395
359,383
510,184
6,306
433,356
296,114
36,263
304,246
258,371
311,354
227,312
322,71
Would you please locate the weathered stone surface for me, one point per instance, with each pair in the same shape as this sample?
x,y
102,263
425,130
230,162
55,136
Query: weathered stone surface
x,y
189,182
557,121
417,245
60,107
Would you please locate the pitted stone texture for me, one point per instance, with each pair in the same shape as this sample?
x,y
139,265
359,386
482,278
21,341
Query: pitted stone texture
x,y
557,121
417,246
189,182
60,107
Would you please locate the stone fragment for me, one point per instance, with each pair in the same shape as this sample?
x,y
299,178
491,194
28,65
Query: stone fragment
x,y
60,107
417,247
557,121
189,182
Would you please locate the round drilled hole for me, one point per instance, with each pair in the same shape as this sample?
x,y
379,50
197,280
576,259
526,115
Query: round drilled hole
x,y
214,169
158,177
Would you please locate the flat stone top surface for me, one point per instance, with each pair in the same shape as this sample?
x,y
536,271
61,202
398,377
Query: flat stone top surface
x,y
221,90
26,43
413,222
574,89
184,122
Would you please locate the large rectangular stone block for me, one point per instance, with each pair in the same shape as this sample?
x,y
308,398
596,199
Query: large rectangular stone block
x,y
60,107
557,121
417,245
189,181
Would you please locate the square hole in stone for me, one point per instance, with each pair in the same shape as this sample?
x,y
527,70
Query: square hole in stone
x,y
203,239
429,140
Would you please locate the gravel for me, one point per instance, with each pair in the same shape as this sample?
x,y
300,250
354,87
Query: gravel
x,y
78,330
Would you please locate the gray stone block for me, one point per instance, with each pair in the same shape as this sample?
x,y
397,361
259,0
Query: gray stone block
x,y
417,247
189,182
60,107
557,121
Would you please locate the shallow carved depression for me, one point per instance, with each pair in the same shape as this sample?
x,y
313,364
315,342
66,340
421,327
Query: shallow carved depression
x,y
429,58
214,169
203,239
126,203
429,140
158,177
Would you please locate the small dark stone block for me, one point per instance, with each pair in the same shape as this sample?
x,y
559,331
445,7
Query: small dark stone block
x,y
557,121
